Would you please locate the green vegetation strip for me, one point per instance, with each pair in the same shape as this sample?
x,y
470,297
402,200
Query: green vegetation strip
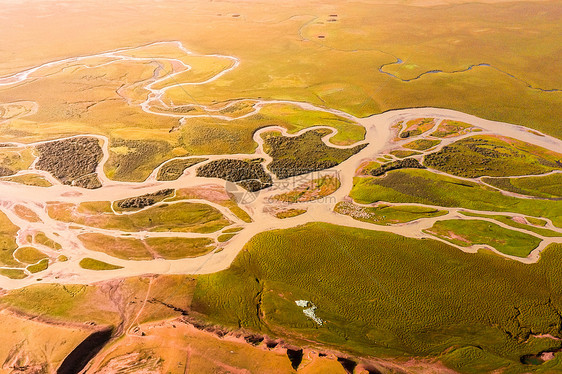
x,y
225,237
422,144
13,273
547,186
8,245
508,220
29,180
92,264
386,214
40,266
403,154
29,255
425,187
289,213
383,294
407,163
469,232
174,169
449,128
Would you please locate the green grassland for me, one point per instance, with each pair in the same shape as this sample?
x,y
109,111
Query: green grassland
x,y
124,248
387,295
536,221
225,237
425,187
29,255
43,239
38,267
177,248
403,153
93,264
12,161
29,180
421,144
449,128
289,213
174,169
13,273
386,214
508,220
8,243
493,156
547,186
177,217
469,232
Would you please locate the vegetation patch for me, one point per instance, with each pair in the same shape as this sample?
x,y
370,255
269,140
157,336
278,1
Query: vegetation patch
x,y
384,214
542,186
69,160
313,190
289,213
139,202
249,174
29,255
470,232
407,163
493,156
449,128
13,273
178,248
536,221
171,248
304,153
93,264
38,267
124,248
509,220
41,238
366,166
225,237
425,187
14,160
29,180
232,229
8,245
417,127
213,193
174,169
400,153
422,144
